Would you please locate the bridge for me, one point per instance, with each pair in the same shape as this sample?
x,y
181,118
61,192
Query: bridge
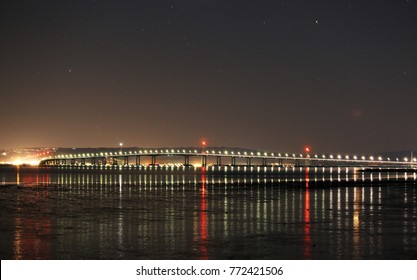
x,y
204,157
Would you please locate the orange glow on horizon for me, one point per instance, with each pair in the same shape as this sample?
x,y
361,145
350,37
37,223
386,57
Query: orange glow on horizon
x,y
26,162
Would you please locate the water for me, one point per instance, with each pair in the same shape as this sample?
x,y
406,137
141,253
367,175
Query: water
x,y
187,213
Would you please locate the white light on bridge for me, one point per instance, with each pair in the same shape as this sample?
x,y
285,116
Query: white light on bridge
x,y
339,156
363,157
371,158
379,158
405,159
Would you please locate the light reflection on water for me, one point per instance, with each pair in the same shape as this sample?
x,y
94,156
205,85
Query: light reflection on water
x,y
199,215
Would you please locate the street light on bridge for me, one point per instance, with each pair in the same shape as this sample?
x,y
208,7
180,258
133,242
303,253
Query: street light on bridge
x,y
203,145
307,150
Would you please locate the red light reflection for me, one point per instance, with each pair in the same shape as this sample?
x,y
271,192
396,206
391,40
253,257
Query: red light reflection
x,y
203,217
307,225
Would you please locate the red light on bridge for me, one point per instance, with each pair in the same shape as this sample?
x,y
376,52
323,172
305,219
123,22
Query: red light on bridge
x,y
204,143
307,149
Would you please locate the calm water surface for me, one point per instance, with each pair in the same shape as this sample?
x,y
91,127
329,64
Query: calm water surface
x,y
293,213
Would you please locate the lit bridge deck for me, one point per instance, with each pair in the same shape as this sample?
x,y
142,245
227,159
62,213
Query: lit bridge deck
x,y
228,157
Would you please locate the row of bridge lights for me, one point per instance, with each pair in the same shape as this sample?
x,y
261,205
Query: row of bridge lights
x,y
338,157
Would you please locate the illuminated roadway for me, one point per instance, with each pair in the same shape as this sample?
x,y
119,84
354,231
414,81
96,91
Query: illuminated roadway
x,y
250,158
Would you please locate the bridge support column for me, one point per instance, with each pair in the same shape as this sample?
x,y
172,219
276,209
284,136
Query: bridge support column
x,y
248,161
219,160
153,160
264,162
93,161
126,160
72,161
233,161
83,161
204,161
137,160
186,160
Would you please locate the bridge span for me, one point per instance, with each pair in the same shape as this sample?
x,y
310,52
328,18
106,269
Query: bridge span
x,y
205,157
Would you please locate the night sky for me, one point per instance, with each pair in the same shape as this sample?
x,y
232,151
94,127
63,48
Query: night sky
x,y
340,76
